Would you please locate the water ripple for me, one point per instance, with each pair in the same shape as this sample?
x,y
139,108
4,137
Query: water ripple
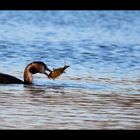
x,y
100,89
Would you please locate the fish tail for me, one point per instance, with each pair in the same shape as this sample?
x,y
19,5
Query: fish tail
x,y
66,66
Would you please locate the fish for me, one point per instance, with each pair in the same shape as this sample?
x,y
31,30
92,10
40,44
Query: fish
x,y
57,72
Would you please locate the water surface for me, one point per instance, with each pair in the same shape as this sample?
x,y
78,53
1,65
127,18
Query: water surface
x,y
100,89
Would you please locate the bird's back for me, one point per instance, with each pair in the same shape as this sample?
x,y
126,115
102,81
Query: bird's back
x,y
8,79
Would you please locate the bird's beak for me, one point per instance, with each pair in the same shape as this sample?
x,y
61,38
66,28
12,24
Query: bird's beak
x,y
46,74
48,69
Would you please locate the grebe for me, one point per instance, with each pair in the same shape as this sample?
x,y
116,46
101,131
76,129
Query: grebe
x,y
32,68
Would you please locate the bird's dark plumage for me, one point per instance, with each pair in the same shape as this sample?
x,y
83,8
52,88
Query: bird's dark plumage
x,y
8,79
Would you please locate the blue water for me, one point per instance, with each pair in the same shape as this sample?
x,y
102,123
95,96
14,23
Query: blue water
x,y
100,89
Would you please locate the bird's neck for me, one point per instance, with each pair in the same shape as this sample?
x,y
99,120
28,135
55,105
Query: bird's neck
x,y
27,76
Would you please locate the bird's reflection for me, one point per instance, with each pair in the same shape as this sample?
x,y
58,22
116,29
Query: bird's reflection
x,y
33,89
43,89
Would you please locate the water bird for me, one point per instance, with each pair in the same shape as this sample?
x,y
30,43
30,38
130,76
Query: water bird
x,y
57,72
30,69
